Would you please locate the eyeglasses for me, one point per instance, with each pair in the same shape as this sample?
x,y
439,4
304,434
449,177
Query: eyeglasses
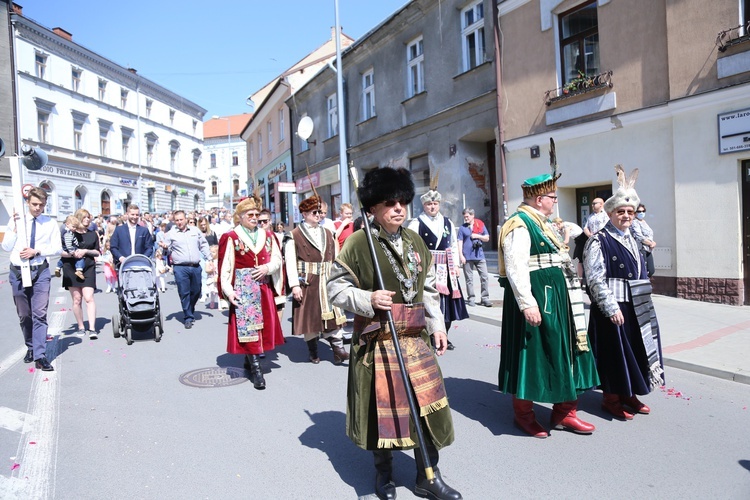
x,y
550,196
317,212
640,211
252,216
263,221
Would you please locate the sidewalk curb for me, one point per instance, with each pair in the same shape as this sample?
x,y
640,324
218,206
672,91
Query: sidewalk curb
x,y
705,370
739,377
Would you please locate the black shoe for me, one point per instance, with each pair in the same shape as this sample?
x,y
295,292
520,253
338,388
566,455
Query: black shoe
x,y
436,489
43,364
29,356
450,346
188,324
385,488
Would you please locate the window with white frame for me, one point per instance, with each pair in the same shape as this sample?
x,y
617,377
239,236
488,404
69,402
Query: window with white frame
x,y
214,188
333,117
149,107
281,125
174,151
102,89
250,151
269,129
43,126
260,145
472,35
151,141
579,42
368,94
79,119
103,137
235,158
415,64
196,159
171,117
126,136
195,126
213,160
123,98
420,171
41,64
75,79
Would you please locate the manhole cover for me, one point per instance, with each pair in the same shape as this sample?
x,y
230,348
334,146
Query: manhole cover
x,y
213,377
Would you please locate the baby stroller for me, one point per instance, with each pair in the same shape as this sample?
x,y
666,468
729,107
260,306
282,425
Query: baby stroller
x,y
137,298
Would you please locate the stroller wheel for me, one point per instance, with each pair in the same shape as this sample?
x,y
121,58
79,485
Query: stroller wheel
x,y
157,332
116,325
129,335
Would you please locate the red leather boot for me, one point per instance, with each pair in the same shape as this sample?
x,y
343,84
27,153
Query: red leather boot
x,y
611,404
524,418
635,404
564,417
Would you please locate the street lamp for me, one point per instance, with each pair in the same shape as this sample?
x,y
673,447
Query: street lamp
x,y
229,163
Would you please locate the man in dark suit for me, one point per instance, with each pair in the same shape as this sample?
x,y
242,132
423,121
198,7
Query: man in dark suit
x,y
131,238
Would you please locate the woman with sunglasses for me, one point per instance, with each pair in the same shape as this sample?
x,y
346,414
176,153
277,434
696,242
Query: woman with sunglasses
x,y
249,266
309,253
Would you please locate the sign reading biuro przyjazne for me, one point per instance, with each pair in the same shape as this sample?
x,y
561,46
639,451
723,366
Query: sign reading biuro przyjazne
x,y
734,131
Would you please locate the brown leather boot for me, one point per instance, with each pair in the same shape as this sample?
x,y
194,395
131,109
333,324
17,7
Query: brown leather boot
x,y
564,418
339,353
524,418
635,404
611,404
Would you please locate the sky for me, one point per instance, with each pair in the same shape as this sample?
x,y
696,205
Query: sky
x,y
215,53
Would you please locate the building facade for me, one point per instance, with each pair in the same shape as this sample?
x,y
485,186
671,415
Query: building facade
x,y
113,137
419,93
649,85
269,134
224,170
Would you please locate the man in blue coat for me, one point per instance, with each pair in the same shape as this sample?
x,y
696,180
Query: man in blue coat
x,y
131,238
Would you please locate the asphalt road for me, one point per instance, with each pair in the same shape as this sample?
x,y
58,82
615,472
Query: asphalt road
x,y
115,421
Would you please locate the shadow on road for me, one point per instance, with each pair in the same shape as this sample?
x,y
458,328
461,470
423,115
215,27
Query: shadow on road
x,y
745,464
480,401
353,465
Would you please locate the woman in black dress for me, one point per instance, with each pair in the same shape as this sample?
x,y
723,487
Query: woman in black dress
x,y
88,247
205,228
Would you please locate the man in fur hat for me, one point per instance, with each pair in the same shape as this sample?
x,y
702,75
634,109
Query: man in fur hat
x,y
544,354
439,233
308,254
377,411
622,324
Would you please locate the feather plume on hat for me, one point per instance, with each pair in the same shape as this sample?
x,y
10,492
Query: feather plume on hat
x,y
625,196
432,194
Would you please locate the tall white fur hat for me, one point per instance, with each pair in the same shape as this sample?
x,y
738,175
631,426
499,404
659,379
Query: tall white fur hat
x,y
625,196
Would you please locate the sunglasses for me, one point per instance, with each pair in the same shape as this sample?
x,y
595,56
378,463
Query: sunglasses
x,y
252,216
263,221
317,212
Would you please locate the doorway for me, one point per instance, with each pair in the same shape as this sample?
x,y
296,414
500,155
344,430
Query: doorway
x,y
746,228
584,197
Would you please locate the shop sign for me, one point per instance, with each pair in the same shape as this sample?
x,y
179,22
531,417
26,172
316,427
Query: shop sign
x,y
734,131
286,187
277,171
66,172
128,182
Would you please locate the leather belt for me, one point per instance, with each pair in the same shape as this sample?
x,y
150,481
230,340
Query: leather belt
x,y
188,264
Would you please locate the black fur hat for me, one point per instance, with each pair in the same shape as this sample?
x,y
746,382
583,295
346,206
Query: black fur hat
x,y
383,184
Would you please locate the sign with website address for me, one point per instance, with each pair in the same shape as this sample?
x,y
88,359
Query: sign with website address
x,y
734,131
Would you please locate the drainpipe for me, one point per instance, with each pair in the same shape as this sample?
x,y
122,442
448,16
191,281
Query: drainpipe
x,y
499,91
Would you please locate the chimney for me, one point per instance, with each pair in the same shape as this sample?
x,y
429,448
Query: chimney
x,y
133,70
63,34
333,33
17,9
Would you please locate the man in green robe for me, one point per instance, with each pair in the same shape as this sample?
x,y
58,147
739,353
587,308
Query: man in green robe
x,y
378,417
544,354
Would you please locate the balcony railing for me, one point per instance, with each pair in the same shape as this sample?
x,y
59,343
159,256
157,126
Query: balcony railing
x,y
578,86
733,36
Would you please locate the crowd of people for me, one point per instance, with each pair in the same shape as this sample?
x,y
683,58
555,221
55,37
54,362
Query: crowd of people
x,y
331,268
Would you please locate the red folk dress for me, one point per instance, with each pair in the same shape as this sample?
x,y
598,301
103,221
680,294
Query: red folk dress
x,y
237,252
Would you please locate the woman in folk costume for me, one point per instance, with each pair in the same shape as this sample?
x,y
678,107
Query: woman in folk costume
x,y
249,276
308,253
439,233
378,416
623,328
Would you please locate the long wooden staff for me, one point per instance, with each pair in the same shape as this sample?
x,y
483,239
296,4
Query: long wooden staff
x,y
428,472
